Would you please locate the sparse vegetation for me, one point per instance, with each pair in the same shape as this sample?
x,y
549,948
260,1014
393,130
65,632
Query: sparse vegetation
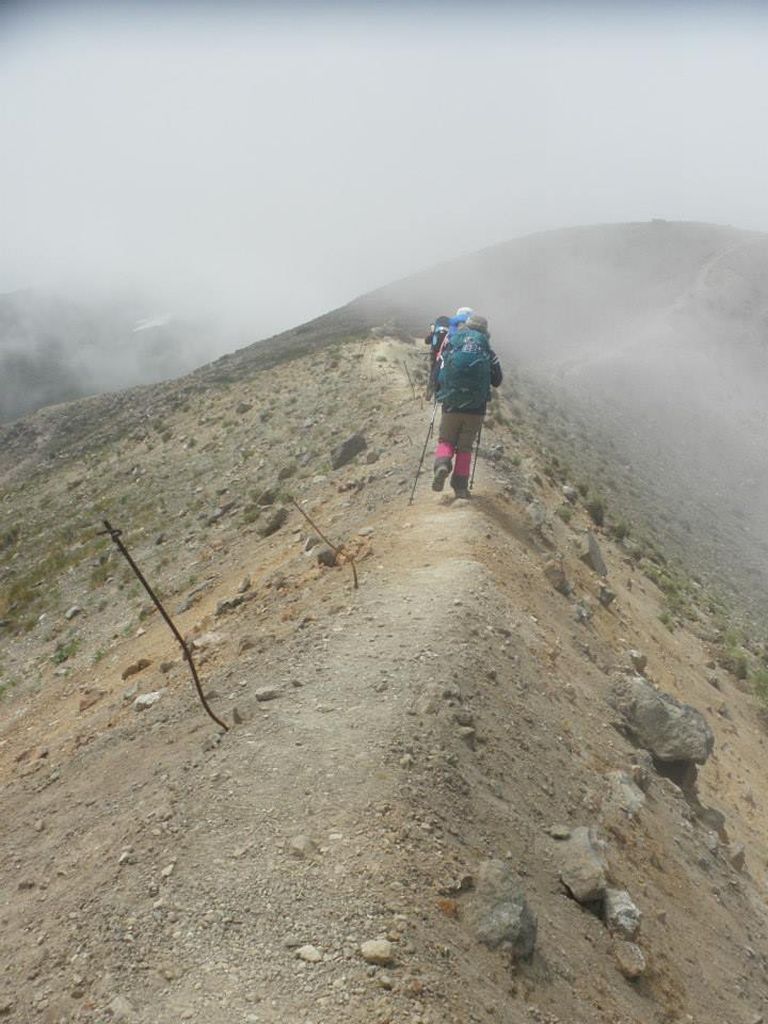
x,y
65,649
596,510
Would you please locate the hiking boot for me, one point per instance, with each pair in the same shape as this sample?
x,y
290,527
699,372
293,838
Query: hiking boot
x,y
461,492
438,480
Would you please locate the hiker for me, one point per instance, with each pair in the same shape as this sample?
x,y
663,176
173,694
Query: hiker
x,y
436,335
469,368
462,314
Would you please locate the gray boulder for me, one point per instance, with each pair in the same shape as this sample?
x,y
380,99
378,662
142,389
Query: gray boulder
x,y
346,451
593,556
659,723
500,915
583,867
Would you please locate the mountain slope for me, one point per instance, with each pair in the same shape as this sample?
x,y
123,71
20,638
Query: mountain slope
x,y
453,710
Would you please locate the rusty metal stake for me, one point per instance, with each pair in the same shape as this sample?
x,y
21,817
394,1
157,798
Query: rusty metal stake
x,y
410,379
319,532
115,535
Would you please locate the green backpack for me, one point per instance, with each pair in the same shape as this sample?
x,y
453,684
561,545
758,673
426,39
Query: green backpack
x,y
464,381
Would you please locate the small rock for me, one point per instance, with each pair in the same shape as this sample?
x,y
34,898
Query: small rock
x,y
310,954
554,572
621,915
168,870
265,693
242,408
326,556
737,856
135,668
371,457
625,793
630,959
593,556
147,700
559,832
606,596
499,914
365,531
468,735
277,520
346,451
302,847
245,585
378,951
570,494
70,613
639,661
583,870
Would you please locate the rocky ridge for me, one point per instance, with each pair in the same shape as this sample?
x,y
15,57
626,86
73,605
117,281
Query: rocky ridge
x,y
436,801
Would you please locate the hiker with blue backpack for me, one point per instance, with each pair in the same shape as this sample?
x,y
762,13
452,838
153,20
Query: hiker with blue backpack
x,y
468,369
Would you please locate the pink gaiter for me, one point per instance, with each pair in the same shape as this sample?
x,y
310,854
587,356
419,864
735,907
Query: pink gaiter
x,y
462,464
444,450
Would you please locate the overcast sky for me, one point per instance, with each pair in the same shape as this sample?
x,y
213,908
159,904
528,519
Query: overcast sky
x,y
273,161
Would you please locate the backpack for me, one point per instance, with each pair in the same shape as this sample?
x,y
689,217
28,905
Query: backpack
x,y
465,377
439,331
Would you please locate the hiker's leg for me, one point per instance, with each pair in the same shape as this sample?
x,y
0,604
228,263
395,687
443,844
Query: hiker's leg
x,y
468,431
447,436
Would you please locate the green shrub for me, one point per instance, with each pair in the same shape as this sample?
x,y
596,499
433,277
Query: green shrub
x,y
565,512
596,509
65,649
620,530
759,681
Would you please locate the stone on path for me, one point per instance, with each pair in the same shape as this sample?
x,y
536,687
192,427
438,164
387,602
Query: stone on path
x,y
310,954
378,951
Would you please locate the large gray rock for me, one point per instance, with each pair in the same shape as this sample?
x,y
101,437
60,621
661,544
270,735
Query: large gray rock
x,y
346,451
583,867
658,722
500,914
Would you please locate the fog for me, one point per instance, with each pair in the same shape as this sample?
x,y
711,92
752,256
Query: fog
x,y
266,163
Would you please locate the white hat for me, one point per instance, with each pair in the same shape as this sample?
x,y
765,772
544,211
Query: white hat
x,y
464,311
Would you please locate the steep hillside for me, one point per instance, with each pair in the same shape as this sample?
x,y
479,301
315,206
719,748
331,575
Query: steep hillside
x,y
410,764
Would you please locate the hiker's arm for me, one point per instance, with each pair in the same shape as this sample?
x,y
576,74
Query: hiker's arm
x,y
496,375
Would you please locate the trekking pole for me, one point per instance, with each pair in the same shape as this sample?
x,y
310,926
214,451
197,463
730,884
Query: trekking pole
x,y
477,454
424,450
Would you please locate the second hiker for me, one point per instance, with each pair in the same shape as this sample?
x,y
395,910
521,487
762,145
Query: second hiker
x,y
469,368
